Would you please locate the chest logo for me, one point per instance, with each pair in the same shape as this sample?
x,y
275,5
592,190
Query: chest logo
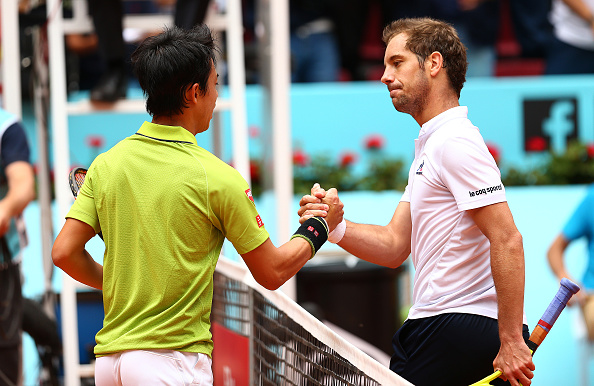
x,y
420,168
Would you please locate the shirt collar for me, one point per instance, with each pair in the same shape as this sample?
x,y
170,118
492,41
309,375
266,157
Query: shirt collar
x,y
436,122
166,133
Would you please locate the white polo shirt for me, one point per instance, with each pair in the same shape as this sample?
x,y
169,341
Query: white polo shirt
x,y
452,172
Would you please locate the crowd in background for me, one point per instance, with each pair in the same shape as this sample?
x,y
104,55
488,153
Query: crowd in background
x,y
335,40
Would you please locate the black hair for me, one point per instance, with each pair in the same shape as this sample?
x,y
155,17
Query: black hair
x,y
168,63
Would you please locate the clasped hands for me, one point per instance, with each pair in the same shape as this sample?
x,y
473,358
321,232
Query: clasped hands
x,y
321,203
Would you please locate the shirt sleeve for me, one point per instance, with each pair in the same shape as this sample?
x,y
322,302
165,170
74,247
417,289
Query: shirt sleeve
x,y
580,222
406,195
14,145
236,214
470,173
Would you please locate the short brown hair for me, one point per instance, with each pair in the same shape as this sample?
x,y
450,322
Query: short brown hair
x,y
425,36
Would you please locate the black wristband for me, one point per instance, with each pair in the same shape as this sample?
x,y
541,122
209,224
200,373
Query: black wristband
x,y
315,231
532,346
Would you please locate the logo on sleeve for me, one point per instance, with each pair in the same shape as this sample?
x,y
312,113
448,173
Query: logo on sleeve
x,y
490,189
248,193
259,221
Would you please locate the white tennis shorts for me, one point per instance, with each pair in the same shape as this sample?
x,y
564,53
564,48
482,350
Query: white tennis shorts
x,y
153,367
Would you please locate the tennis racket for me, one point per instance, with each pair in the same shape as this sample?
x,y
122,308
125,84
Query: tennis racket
x,y
76,178
566,290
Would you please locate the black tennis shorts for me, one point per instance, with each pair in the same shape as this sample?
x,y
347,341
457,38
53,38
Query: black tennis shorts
x,y
449,349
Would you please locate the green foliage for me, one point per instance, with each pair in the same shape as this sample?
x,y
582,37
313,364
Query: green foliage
x,y
385,174
575,166
382,174
323,170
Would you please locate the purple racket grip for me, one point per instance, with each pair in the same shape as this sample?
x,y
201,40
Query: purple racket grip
x,y
566,291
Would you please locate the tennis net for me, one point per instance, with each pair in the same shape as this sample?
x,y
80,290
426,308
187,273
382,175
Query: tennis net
x,y
263,337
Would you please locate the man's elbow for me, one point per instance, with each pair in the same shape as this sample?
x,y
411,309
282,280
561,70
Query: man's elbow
x,y
271,280
397,258
59,255
516,241
30,196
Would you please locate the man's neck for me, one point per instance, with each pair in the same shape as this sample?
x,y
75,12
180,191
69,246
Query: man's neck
x,y
434,109
174,120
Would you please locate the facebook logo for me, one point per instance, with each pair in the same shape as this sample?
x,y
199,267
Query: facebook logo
x,y
550,124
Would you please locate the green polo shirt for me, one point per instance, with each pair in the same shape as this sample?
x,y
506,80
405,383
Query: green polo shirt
x,y
164,206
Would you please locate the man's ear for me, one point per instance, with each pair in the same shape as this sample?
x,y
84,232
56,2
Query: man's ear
x,y
436,63
193,93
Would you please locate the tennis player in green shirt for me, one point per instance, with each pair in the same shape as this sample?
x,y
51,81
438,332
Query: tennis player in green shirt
x,y
164,206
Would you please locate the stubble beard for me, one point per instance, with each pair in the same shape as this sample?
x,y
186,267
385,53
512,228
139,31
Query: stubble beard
x,y
414,102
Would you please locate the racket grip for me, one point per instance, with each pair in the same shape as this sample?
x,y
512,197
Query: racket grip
x,y
566,290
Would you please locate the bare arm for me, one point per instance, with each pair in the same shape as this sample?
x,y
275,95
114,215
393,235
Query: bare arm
x,y
555,256
21,191
507,266
388,245
272,266
581,9
69,254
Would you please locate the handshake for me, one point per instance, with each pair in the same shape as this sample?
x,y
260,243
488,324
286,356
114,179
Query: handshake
x,y
325,204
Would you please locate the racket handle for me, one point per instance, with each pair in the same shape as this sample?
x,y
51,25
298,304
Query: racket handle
x,y
566,290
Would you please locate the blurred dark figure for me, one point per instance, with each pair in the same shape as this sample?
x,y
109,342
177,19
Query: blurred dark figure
x,y
17,190
351,19
107,18
44,332
572,47
314,47
477,24
533,30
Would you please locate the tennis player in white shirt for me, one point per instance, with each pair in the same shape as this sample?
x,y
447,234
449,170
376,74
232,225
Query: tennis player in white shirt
x,y
453,220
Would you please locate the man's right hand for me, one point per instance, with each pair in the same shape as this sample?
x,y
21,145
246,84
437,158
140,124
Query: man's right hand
x,y
335,211
321,203
311,205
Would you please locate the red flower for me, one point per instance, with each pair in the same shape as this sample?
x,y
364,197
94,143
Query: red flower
x,y
254,170
536,144
254,131
95,141
374,142
347,159
590,150
494,150
300,158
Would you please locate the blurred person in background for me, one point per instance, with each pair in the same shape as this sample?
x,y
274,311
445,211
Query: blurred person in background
x,y
314,47
477,25
17,190
531,26
107,18
572,48
352,22
580,225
